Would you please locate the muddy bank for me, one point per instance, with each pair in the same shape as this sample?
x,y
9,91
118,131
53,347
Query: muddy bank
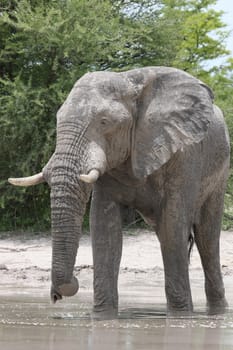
x,y
25,263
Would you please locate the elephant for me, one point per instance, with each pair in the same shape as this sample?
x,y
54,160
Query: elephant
x,y
152,139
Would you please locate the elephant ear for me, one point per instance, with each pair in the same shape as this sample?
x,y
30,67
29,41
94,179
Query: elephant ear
x,y
173,112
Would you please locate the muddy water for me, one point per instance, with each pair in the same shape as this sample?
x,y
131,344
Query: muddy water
x,y
33,323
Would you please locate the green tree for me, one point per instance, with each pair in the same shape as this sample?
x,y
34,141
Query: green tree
x,y
46,46
200,34
221,81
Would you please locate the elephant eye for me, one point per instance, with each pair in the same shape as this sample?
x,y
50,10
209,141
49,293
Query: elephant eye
x,y
104,121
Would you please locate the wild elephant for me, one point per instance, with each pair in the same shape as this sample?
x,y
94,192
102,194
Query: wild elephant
x,y
151,139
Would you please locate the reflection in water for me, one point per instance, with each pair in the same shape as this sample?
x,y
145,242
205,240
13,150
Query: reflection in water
x,y
35,324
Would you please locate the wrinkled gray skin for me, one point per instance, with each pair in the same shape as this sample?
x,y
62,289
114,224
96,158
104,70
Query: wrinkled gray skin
x,y
161,147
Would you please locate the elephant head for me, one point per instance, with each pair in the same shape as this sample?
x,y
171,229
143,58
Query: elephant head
x,y
143,116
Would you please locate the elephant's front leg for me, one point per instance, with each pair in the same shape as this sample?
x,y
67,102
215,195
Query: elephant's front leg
x,y
173,234
107,248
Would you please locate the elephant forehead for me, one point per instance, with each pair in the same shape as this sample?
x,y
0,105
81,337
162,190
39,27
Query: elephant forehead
x,y
105,83
79,102
90,106
85,102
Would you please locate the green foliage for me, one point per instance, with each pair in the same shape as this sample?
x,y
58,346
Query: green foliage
x,y
46,45
221,81
200,34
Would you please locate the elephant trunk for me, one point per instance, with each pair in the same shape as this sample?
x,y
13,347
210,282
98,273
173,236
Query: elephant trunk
x,y
68,203
70,192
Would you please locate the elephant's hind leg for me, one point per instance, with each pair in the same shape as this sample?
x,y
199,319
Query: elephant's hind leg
x,y
207,234
105,220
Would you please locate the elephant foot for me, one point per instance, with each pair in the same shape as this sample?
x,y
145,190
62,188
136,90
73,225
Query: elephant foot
x,y
217,307
178,311
109,313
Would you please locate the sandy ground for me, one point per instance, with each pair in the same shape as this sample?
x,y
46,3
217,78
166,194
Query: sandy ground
x,y
25,263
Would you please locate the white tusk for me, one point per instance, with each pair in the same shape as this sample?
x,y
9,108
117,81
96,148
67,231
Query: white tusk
x,y
90,178
27,181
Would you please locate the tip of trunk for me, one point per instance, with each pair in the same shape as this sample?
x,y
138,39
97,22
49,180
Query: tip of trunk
x,y
66,290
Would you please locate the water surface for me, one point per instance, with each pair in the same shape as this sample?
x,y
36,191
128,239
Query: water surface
x,y
34,323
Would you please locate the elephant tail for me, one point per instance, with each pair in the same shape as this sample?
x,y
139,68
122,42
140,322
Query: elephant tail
x,y
191,242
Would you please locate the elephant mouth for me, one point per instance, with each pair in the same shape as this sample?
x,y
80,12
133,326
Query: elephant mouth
x,y
55,296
